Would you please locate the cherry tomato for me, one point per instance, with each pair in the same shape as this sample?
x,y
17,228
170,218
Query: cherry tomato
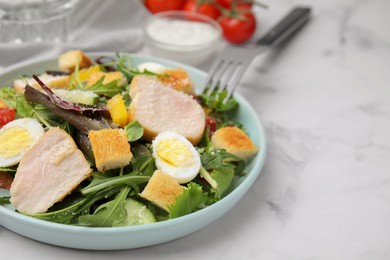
x,y
7,114
202,7
238,28
239,4
211,124
157,6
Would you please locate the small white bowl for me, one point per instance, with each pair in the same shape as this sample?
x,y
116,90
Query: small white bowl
x,y
186,37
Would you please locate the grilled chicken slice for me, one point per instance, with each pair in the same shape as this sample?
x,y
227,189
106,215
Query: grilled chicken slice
x,y
159,108
48,172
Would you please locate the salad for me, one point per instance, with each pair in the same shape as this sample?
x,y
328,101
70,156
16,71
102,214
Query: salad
x,y
103,143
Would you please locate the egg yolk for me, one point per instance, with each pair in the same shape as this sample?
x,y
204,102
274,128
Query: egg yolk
x,y
174,152
13,141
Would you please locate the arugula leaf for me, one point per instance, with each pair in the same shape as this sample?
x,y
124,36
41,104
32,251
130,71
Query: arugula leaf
x,y
142,150
134,131
109,214
110,89
147,73
73,208
4,200
9,96
10,169
218,159
215,101
99,184
143,166
124,64
191,199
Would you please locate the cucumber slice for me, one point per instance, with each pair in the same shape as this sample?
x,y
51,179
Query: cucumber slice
x,y
78,96
138,213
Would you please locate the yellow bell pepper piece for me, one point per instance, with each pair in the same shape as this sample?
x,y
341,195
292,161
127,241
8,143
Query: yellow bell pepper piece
x,y
117,110
85,74
108,77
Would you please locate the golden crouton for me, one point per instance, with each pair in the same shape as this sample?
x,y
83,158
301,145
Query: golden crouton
x,y
234,141
110,148
108,77
162,190
49,80
72,59
177,79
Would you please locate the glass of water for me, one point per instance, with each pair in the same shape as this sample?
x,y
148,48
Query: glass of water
x,y
35,20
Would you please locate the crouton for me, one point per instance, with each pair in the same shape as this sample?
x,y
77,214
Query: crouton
x,y
234,141
72,59
110,148
162,190
49,80
177,79
108,77
159,109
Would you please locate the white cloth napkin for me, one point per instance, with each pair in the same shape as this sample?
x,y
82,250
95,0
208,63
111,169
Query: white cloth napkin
x,y
97,25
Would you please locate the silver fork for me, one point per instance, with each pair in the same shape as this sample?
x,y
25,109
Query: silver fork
x,y
232,61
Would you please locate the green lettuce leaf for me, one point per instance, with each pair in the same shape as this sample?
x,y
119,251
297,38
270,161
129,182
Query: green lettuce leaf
x,y
41,113
192,199
223,178
9,96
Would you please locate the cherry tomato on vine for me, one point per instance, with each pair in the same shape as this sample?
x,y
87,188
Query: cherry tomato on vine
x,y
157,6
240,4
238,27
203,7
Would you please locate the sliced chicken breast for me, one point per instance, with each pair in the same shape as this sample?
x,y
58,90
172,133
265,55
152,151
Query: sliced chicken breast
x,y
48,172
159,108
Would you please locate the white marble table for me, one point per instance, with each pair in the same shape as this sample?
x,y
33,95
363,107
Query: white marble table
x,y
324,192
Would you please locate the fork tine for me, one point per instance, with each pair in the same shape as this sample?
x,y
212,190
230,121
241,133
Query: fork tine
x,y
227,69
231,65
236,77
214,68
216,79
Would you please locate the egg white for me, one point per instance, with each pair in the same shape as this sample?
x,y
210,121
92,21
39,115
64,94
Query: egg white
x,y
180,174
152,67
35,131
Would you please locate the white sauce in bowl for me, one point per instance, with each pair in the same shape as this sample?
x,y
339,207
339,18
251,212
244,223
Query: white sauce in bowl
x,y
186,37
181,33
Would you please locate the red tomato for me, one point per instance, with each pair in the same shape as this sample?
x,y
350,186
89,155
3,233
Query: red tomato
x,y
238,28
204,8
7,114
156,6
240,3
211,124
